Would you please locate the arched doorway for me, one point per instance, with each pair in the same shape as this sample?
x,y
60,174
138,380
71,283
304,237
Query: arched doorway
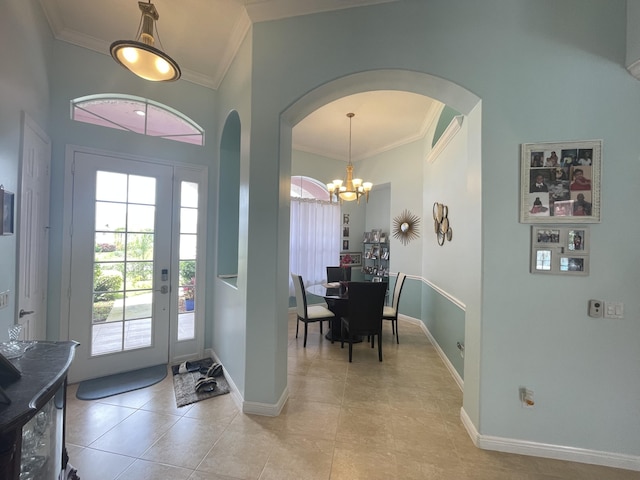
x,y
462,101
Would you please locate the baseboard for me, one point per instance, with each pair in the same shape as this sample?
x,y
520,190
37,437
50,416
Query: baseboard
x,y
452,370
544,450
255,408
266,409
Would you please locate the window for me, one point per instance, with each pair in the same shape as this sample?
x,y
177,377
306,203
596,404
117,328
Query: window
x,y
314,234
138,115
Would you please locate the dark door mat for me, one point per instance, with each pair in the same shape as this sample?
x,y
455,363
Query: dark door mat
x,y
121,382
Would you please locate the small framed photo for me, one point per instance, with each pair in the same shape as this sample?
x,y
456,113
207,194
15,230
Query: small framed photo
x,y
345,231
345,245
352,259
560,250
7,200
560,182
375,236
345,219
366,237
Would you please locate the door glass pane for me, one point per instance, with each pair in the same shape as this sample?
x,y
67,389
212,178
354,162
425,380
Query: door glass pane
x,y
123,263
187,260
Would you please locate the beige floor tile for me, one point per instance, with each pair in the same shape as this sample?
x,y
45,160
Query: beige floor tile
x,y
239,453
136,433
396,419
143,470
296,457
98,465
354,462
185,444
312,418
90,423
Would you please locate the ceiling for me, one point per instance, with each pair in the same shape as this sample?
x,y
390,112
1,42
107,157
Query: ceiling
x,y
215,29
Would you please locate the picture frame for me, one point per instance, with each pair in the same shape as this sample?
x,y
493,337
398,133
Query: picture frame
x,y
345,245
7,203
356,259
560,182
560,250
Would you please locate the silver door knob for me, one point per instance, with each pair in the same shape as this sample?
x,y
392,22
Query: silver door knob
x,y
23,312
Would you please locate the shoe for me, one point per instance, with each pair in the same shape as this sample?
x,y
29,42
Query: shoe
x,y
214,370
188,367
206,384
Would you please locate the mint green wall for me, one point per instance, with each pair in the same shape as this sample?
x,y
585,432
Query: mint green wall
x,y
24,87
228,304
511,54
229,197
446,116
446,323
544,71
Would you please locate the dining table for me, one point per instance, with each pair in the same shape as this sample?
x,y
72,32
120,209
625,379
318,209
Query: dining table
x,y
336,295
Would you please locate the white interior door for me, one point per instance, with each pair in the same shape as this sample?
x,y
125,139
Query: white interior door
x,y
120,274
33,232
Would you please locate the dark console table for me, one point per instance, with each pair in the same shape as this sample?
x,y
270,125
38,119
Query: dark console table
x,y
32,424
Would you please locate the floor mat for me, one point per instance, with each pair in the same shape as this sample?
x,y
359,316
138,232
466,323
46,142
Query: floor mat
x,y
184,384
120,382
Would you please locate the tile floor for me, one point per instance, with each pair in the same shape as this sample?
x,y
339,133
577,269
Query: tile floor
x,y
399,419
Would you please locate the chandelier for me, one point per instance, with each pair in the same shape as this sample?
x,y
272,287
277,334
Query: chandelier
x,y
141,56
352,188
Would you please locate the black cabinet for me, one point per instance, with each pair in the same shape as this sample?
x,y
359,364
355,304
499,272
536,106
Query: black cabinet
x,y
32,424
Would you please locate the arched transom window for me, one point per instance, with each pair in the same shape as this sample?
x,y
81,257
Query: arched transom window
x,y
138,115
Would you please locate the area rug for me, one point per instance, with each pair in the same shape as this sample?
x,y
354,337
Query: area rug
x,y
184,384
121,382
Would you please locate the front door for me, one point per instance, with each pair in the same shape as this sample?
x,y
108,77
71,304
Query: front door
x,y
120,272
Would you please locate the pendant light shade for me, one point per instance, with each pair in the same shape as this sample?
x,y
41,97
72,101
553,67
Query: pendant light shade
x,y
141,56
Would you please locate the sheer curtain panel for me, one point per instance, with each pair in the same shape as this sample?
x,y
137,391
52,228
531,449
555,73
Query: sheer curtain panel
x,y
314,239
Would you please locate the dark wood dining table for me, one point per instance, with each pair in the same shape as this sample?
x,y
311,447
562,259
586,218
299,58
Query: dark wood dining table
x,y
337,299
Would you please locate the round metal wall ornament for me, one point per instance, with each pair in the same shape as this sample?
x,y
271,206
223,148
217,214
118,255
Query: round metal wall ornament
x,y
441,223
405,227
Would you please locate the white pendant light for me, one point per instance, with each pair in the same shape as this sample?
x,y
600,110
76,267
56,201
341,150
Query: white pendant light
x,y
141,56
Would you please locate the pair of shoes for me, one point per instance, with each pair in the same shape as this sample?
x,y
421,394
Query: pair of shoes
x,y
206,384
188,367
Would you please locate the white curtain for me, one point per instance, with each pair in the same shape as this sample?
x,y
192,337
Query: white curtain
x,y
314,239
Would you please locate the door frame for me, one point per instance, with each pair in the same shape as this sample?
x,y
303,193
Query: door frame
x,y
182,171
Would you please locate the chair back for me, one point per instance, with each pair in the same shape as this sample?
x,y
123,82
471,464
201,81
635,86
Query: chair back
x,y
397,290
337,274
365,307
301,296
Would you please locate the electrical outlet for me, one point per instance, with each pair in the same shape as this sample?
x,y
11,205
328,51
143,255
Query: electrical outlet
x,y
4,299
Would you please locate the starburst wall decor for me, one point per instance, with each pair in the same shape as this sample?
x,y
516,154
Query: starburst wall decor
x,y
405,227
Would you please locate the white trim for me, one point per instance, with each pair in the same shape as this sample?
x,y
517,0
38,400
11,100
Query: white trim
x,y
452,129
545,450
448,296
267,409
447,363
234,392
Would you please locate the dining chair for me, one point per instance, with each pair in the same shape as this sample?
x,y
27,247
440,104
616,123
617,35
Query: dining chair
x,y
364,314
337,274
308,314
390,312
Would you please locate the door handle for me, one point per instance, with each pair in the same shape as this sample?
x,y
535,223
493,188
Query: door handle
x,y
23,312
